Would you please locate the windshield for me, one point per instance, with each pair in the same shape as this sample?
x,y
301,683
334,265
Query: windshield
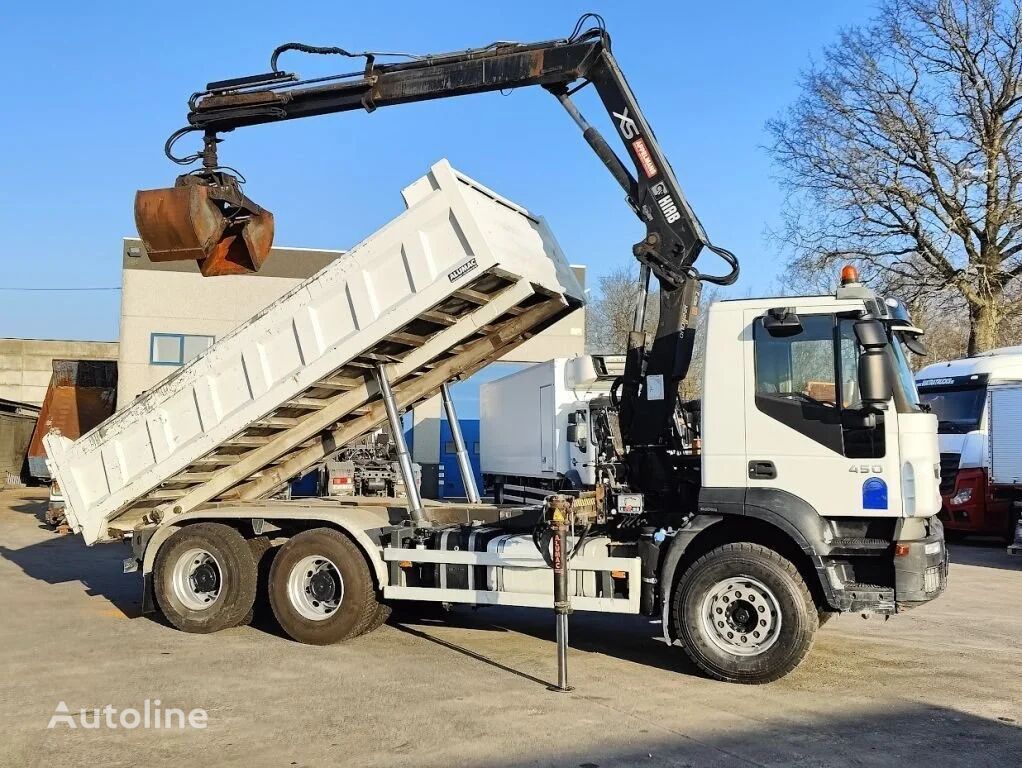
x,y
905,381
958,410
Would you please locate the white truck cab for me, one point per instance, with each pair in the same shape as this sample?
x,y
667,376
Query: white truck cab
x,y
787,415
959,394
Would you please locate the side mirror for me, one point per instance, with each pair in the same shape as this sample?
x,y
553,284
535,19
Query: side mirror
x,y
876,385
572,433
781,322
915,345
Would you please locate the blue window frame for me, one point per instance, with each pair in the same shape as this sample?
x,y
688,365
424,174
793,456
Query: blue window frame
x,y
176,348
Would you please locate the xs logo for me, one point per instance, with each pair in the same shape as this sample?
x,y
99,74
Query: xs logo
x,y
626,124
658,189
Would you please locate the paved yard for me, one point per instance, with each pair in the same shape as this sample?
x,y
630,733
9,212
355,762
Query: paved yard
x,y
939,686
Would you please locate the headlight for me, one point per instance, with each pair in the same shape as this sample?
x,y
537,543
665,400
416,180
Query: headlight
x,y
962,497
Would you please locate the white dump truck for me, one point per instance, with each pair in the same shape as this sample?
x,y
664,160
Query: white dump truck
x,y
793,510
524,424
815,489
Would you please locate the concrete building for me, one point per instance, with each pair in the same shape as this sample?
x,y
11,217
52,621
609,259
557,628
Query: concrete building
x,y
170,313
27,364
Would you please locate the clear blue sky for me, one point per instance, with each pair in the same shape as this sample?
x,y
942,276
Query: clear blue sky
x,y
93,89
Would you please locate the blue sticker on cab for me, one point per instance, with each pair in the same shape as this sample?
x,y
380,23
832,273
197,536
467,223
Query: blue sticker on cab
x,y
874,494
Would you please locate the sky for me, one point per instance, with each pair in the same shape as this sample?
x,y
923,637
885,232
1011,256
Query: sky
x,y
94,89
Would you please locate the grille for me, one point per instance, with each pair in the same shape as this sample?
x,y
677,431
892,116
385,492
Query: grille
x,y
949,471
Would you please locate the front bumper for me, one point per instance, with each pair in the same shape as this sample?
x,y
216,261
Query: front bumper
x,y
920,573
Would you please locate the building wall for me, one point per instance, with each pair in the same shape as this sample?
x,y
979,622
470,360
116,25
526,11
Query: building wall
x,y
27,364
173,298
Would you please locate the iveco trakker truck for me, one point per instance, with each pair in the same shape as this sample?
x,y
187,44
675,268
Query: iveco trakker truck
x,y
815,489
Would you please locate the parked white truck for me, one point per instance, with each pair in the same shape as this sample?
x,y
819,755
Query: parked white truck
x,y
524,422
815,490
977,424
799,505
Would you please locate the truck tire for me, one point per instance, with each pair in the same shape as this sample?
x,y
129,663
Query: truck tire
x,y
744,614
204,578
262,553
383,612
321,590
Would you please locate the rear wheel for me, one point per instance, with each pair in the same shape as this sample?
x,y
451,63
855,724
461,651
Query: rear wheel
x,y
204,578
744,614
321,590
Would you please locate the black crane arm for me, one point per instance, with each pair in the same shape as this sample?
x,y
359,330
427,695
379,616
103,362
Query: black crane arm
x,y
675,238
648,391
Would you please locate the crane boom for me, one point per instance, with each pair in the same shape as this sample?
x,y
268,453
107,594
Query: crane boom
x,y
674,237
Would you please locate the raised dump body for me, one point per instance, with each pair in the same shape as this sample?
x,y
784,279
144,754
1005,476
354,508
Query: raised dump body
x,y
453,283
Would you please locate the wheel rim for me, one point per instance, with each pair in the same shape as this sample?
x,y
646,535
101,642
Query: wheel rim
x,y
315,587
741,615
197,579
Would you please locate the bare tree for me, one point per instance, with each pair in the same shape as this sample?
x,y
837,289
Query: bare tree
x,y
904,154
610,313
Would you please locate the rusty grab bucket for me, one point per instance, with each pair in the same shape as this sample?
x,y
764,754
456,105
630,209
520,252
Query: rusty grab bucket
x,y
206,218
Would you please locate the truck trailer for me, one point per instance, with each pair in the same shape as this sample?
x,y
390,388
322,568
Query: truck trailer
x,y
815,489
524,421
972,400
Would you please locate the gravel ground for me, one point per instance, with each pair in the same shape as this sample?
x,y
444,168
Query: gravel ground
x,y
941,685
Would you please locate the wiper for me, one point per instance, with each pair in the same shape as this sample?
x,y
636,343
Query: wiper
x,y
950,427
807,398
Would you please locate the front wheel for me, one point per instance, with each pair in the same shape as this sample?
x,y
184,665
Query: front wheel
x,y
744,614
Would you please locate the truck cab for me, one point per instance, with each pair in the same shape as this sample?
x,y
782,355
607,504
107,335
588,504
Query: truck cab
x,y
958,392
793,439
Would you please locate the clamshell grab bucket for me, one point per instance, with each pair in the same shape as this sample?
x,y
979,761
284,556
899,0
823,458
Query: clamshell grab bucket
x,y
207,219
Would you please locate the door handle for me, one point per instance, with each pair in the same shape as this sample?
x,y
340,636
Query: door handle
x,y
762,470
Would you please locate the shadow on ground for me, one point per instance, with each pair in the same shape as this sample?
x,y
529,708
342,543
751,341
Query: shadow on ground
x,y
985,553
629,638
64,558
912,736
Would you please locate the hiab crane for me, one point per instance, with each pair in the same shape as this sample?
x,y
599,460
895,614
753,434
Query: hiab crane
x,y
804,484
674,236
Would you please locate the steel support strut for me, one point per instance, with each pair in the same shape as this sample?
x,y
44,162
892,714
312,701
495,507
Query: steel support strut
x,y
464,464
562,603
403,459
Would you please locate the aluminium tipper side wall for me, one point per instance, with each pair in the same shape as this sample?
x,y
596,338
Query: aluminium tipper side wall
x,y
454,282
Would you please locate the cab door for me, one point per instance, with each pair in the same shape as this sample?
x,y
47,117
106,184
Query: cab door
x,y
806,431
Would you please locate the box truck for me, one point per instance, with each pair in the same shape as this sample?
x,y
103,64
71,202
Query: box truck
x,y
524,424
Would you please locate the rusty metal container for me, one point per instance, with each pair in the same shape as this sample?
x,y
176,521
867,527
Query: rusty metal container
x,y
82,394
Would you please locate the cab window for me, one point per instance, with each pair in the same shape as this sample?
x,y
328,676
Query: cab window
x,y
809,382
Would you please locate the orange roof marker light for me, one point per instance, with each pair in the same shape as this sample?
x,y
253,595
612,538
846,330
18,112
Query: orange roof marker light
x,y
849,274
